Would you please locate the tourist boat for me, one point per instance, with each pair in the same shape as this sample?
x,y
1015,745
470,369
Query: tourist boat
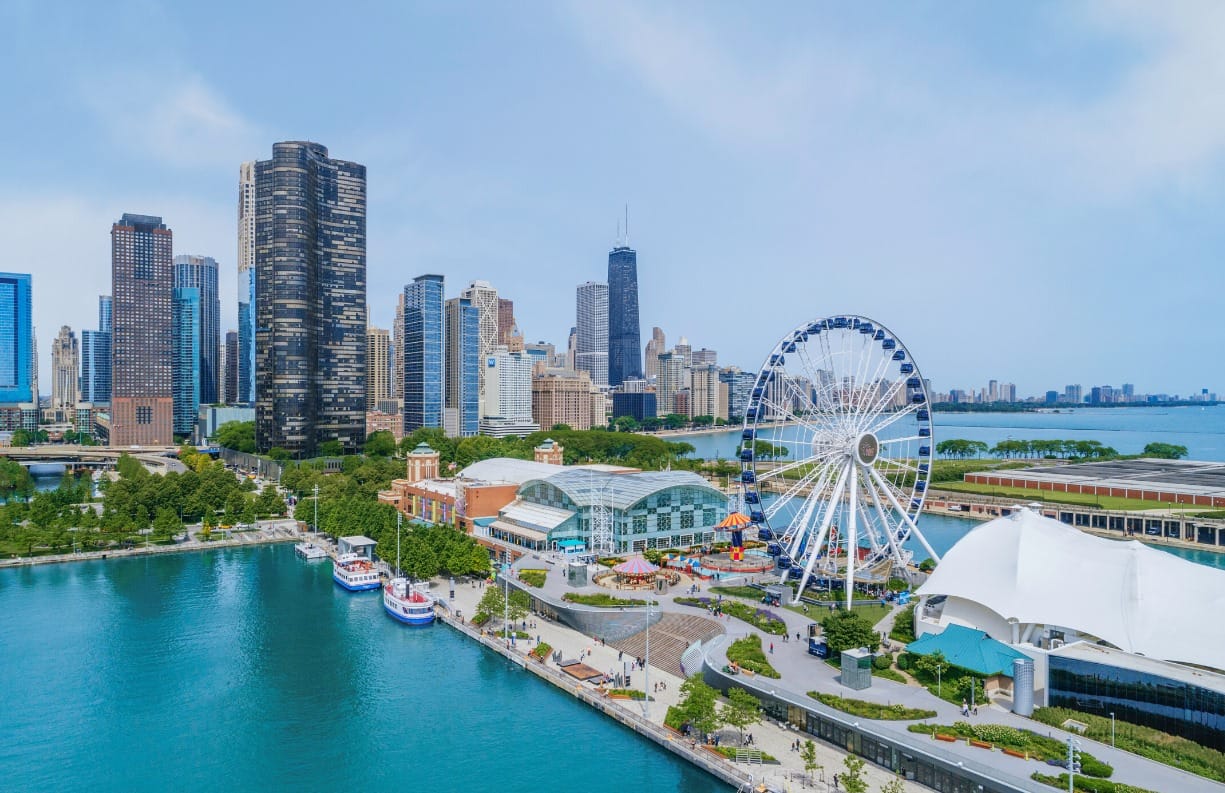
x,y
409,603
355,573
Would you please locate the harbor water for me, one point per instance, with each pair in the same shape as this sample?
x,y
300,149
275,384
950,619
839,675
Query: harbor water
x,y
243,669
1126,429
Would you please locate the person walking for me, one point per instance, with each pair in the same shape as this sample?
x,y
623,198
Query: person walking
x,y
771,648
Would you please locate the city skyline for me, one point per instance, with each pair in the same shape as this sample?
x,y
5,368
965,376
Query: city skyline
x,y
1048,198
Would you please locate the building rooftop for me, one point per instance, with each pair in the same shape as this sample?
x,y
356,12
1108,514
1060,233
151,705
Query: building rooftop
x,y
969,649
1099,654
537,516
587,486
1177,476
510,470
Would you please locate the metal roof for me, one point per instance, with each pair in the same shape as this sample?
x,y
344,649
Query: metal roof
x,y
968,649
536,516
588,487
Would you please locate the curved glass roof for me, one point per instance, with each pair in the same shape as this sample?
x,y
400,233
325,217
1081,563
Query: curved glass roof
x,y
586,487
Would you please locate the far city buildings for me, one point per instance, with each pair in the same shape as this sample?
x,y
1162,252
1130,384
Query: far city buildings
x,y
310,300
246,284
462,367
624,344
200,273
656,345
484,299
65,368
96,357
423,353
591,332
378,370
506,407
229,376
142,280
18,364
187,313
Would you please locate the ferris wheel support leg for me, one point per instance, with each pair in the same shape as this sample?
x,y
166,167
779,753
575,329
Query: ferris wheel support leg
x,y
884,520
905,516
852,543
814,547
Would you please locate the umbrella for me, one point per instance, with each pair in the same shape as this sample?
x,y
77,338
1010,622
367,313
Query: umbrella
x,y
734,521
635,566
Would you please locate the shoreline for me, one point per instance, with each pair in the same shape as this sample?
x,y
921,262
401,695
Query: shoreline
x,y
703,759
261,538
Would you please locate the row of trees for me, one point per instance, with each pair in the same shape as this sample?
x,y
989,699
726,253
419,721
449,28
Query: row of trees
x,y
672,421
962,449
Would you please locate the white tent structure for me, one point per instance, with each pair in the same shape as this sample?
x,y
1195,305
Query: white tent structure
x,y
1026,578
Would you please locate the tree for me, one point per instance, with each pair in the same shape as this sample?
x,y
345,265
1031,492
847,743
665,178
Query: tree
x,y
491,603
165,523
236,435
852,778
279,454
845,630
741,711
331,448
808,753
625,424
697,706
269,502
1167,451
562,427
895,785
520,604
420,561
933,664
21,438
380,444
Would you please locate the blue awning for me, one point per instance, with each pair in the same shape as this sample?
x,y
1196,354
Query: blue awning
x,y
969,649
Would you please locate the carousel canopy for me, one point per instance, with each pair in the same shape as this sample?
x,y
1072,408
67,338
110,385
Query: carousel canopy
x,y
635,566
734,521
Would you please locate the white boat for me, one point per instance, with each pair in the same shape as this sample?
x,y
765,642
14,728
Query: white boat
x,y
310,551
355,573
408,603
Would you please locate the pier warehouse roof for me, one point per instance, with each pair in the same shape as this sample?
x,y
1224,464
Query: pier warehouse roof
x,y
1030,570
586,487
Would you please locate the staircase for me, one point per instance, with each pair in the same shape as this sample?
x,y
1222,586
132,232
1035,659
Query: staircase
x,y
670,637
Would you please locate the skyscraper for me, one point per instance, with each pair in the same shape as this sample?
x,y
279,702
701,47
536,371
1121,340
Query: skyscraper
x,y
96,356
188,325
200,272
507,408
246,283
506,320
142,363
462,366
310,300
624,342
17,359
378,372
655,347
423,353
591,331
397,343
65,368
485,300
229,381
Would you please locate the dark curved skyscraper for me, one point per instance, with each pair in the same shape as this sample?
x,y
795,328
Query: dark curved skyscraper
x,y
624,345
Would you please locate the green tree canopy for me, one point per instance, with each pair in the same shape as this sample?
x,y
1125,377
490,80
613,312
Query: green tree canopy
x,y
380,444
236,435
1168,451
742,710
845,630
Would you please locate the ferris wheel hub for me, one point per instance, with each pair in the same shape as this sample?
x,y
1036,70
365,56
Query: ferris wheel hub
x,y
867,448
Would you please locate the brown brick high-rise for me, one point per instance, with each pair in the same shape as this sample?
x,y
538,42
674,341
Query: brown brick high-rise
x,y
142,278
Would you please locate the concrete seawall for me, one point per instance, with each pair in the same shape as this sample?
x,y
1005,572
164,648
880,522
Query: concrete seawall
x,y
704,759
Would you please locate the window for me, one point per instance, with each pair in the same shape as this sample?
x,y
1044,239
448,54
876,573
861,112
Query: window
x,y
686,520
144,414
663,523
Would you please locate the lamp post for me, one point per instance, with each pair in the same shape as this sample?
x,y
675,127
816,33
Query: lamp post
x,y
315,526
646,670
1112,728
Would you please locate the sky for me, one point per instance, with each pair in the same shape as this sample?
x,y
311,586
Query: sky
x,y
1030,192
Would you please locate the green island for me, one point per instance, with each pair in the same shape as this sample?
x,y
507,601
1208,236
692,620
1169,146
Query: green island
x,y
871,710
534,578
1038,747
1147,742
602,601
747,654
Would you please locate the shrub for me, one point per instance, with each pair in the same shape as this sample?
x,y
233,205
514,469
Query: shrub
x,y
532,577
1088,784
903,625
882,661
600,600
903,661
871,710
747,654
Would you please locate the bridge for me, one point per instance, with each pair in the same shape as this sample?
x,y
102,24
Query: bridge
x,y
153,457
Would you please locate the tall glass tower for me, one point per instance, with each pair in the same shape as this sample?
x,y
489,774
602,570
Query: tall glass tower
x,y
200,273
591,331
624,339
17,359
463,365
310,300
188,362
423,353
96,356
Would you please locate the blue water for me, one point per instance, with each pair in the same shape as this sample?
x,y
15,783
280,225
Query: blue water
x,y
1128,430
242,669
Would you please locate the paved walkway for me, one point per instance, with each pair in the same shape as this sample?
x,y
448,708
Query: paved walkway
x,y
770,737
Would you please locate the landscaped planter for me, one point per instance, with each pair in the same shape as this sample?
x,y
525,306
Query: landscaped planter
x,y
947,738
1015,753
981,744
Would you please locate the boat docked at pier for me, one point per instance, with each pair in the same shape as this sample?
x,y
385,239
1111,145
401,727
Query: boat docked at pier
x,y
407,602
355,573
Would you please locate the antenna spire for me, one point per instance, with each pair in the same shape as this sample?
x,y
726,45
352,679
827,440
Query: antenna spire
x,y
627,224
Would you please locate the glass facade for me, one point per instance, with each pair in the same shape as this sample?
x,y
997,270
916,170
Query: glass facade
x,y
200,273
423,353
310,300
591,331
1172,706
463,364
246,336
624,331
95,366
188,320
17,360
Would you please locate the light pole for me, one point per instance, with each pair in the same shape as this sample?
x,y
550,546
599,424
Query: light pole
x,y
315,526
1112,728
646,671
1073,762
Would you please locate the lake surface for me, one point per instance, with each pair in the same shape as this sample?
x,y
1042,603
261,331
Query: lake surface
x,y
1128,430
242,669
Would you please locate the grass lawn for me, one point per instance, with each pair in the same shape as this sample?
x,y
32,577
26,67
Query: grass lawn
x,y
1144,741
1079,499
748,654
891,674
739,591
873,612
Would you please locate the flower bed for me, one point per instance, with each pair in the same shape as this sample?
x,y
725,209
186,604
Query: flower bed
x,y
600,600
730,753
762,619
871,710
1086,784
1038,747
541,651
747,654
532,577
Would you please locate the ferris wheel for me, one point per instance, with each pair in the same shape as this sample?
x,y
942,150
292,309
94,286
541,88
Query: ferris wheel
x,y
836,452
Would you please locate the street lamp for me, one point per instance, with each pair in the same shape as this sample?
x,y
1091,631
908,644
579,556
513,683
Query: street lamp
x,y
1112,728
316,524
